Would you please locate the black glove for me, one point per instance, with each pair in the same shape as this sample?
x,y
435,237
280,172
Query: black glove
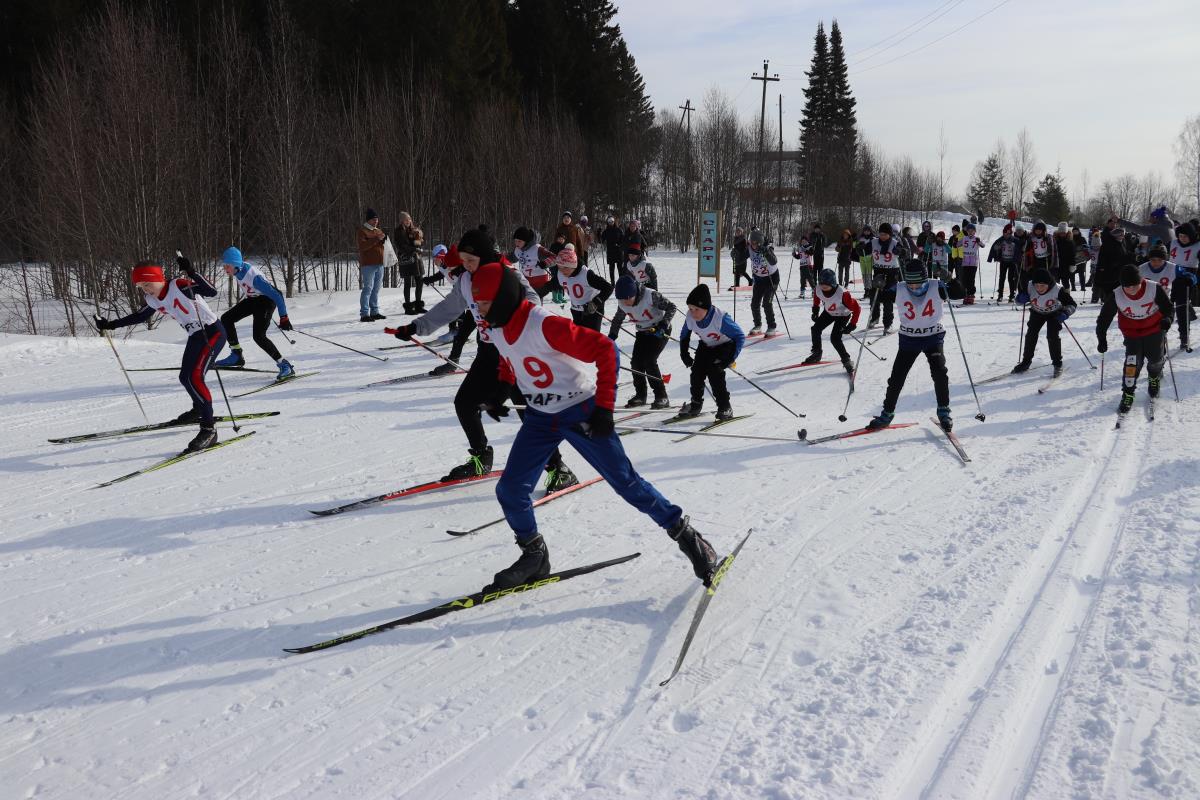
x,y
686,357
1165,323
184,264
878,280
816,314
850,326
405,332
943,274
430,280
285,324
1101,343
103,324
593,307
496,410
600,423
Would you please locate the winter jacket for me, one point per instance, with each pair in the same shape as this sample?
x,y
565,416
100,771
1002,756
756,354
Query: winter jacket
x,y
574,235
1108,265
1135,327
614,243
1065,248
1006,249
1157,231
369,242
819,243
740,251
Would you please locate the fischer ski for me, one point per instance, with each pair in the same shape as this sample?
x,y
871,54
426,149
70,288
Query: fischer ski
x,y
166,462
420,488
470,601
952,437
849,434
710,426
702,608
276,382
793,366
420,376
161,426
540,501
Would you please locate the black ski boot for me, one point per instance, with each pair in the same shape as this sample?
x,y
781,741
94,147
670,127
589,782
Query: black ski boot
x,y
478,463
724,413
691,408
813,357
206,438
944,418
1058,369
1126,402
882,421
694,546
533,564
636,401
445,368
408,309
189,417
419,306
559,478
848,365
661,401
1022,366
1155,386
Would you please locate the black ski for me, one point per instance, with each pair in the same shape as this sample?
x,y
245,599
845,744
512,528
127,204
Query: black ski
x,y
161,426
718,576
541,501
710,426
470,601
952,437
420,488
166,462
277,382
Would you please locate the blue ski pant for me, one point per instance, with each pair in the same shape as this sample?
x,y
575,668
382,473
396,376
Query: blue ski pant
x,y
540,434
198,355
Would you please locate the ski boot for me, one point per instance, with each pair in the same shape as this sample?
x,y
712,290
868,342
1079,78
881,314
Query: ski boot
x,y
1155,386
478,463
813,357
206,438
189,417
286,370
944,418
1058,369
1126,402
408,308
661,401
757,329
533,564
445,368
696,548
969,301
232,361
375,315
887,329
636,401
691,409
724,413
1022,366
559,478
882,421
418,306
365,318
771,329
848,365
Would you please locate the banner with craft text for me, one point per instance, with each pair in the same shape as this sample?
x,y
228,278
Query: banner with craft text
x,y
708,251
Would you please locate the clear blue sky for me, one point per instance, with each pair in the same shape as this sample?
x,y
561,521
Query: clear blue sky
x,y
1101,85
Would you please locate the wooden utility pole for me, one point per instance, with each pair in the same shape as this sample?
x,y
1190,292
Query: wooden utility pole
x,y
762,122
779,173
690,205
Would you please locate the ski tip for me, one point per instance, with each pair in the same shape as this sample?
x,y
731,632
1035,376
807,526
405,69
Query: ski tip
x,y
803,434
457,533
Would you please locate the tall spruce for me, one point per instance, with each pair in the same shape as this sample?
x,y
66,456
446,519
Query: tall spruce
x,y
814,124
843,120
988,189
1049,201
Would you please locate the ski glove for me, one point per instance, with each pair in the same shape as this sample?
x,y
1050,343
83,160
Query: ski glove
x,y
943,275
600,423
1022,298
404,332
1165,324
686,358
850,326
496,410
103,324
184,264
1101,343
816,314
430,280
1062,316
879,279
285,324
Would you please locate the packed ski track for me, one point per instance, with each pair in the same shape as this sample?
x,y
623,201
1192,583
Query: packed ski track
x,y
900,625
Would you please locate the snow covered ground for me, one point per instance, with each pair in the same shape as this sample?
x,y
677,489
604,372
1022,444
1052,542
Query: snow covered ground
x,y
900,625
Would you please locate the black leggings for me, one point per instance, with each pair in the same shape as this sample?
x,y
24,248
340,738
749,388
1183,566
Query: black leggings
x,y
1053,329
586,320
764,295
1007,270
1150,350
614,266
464,326
646,349
905,358
261,308
835,335
411,282
704,368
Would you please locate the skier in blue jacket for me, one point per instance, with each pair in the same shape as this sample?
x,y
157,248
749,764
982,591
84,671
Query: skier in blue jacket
x,y
259,299
721,341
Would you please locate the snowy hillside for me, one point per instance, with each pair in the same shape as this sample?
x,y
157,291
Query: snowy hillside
x,y
899,625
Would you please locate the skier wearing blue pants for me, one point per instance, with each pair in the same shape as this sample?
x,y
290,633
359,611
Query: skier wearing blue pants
x,y
547,358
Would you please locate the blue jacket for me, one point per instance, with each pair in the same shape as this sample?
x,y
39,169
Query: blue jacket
x,y
728,327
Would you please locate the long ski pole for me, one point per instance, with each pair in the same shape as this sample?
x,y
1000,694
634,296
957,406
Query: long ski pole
x,y
429,349
229,408
775,300
663,380
1021,336
862,343
1102,372
980,416
1077,344
1171,367
283,333
336,344
788,285
125,372
768,394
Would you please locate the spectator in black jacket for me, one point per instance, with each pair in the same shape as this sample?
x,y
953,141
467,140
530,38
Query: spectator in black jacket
x,y
845,251
614,247
740,252
1113,256
1064,246
818,242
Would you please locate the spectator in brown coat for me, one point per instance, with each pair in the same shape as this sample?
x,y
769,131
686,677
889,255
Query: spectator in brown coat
x,y
370,238
571,233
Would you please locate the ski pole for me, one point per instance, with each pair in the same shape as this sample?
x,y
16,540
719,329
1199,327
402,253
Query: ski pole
x,y
862,343
788,285
1021,336
335,344
125,372
1102,372
1171,367
764,391
228,407
980,416
289,339
429,349
776,301
1077,344
664,379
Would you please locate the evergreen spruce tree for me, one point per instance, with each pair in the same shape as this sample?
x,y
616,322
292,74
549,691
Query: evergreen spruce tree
x,y
814,124
842,125
1050,201
987,191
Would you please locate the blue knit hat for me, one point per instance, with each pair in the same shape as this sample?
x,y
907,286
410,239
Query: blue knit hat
x,y
233,257
626,287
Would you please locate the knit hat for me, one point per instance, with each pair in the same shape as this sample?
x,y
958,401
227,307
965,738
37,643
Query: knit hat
x,y
500,286
567,256
479,243
1042,276
233,257
524,234
970,226
700,297
758,237
885,228
827,277
627,287
1064,227
633,247
440,250
914,271
1130,275
940,235
568,214
583,220
1039,224
1008,229
1158,251
369,215
148,272
1187,229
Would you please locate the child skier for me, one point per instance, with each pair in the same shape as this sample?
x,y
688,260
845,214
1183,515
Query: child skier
x,y
764,267
642,271
1040,252
1143,310
887,254
802,253
1185,252
939,253
969,245
586,291
545,359
533,259
1177,282
462,327
183,300
1007,251
1050,304
260,300
920,311
721,341
651,314
832,305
